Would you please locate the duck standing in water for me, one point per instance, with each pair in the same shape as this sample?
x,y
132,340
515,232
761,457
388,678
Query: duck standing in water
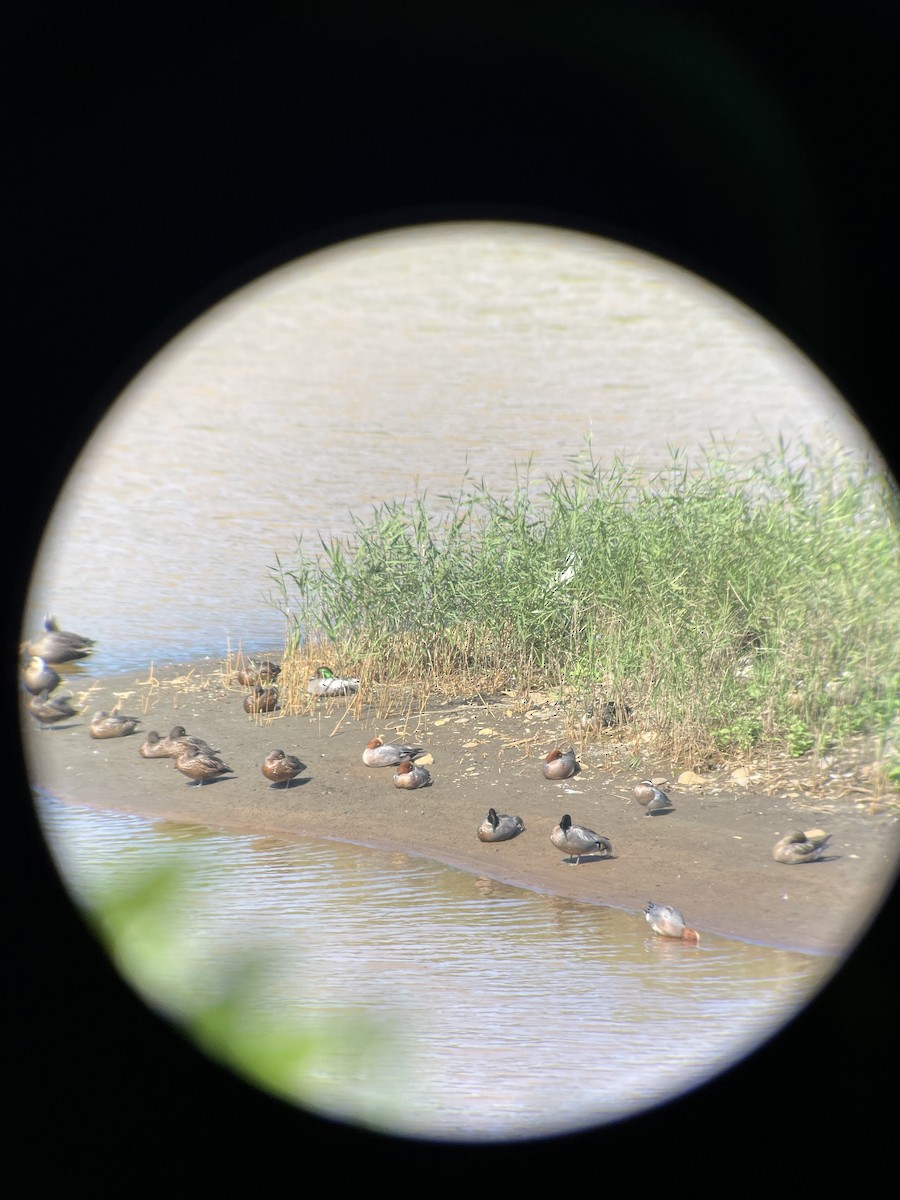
x,y
668,922
104,726
559,764
281,768
200,766
326,683
377,754
654,799
498,827
409,775
261,699
50,709
577,841
38,676
57,646
800,847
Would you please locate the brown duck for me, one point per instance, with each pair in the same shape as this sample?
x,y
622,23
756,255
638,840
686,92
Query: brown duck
x,y
105,726
200,766
800,847
281,768
250,676
50,709
261,699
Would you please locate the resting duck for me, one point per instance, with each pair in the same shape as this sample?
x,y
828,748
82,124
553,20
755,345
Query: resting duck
x,y
654,799
50,709
178,739
559,764
377,754
105,726
668,922
326,683
800,847
57,646
153,746
498,827
200,766
281,767
409,775
38,676
250,676
607,716
577,841
261,699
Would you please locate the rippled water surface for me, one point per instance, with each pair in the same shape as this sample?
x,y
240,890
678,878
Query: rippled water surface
x,y
436,1003
406,359
427,999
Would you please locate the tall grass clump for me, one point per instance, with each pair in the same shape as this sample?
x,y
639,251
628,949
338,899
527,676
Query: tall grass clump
x,y
727,606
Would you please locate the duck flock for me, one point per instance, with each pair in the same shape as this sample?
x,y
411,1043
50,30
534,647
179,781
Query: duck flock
x,y
200,762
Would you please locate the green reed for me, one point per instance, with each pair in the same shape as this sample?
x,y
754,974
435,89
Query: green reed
x,y
728,605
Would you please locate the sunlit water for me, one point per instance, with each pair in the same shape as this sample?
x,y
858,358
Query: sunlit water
x,y
463,1008
466,1008
347,380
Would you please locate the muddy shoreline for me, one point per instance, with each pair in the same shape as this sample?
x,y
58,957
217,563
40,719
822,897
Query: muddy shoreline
x,y
711,857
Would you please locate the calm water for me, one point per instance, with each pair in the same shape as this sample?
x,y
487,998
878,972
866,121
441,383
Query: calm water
x,y
323,390
439,1003
342,383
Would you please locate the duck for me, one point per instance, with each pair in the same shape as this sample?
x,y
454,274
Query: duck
x,y
50,709
38,676
153,746
668,922
177,739
578,841
410,775
104,726
654,799
800,847
559,764
250,676
57,646
326,683
499,827
261,699
377,754
607,716
281,768
199,765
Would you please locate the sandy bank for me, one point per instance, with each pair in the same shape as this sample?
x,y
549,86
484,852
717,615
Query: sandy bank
x,y
711,857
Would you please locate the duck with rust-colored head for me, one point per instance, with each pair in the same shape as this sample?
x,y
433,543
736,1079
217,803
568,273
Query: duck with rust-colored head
x,y
377,754
51,709
499,827
56,645
326,683
800,847
261,699
559,764
576,841
654,799
281,768
668,922
38,676
410,775
105,726
200,766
